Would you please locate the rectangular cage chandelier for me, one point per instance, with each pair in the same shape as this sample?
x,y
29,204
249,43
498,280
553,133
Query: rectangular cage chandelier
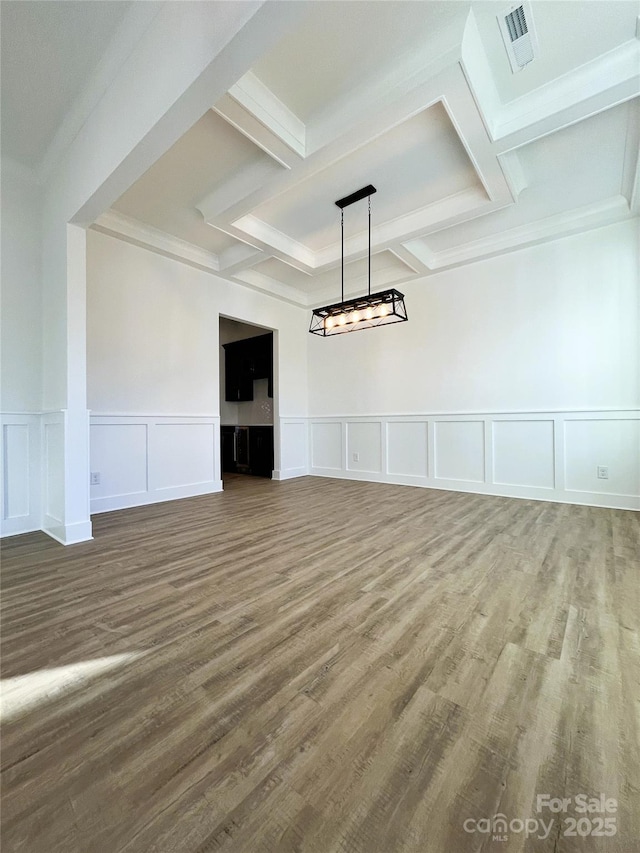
x,y
360,312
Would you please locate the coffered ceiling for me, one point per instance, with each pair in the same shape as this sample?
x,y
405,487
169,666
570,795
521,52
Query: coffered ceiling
x,y
417,98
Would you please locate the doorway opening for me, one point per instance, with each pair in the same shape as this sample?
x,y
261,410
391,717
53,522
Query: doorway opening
x,y
246,401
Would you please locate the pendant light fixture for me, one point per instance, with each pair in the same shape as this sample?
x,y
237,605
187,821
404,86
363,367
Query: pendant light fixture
x,y
362,312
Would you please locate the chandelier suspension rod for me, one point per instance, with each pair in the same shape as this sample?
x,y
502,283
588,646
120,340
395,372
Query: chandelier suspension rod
x,y
369,197
342,252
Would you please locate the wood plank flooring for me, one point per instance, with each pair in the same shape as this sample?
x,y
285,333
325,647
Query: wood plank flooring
x,y
322,666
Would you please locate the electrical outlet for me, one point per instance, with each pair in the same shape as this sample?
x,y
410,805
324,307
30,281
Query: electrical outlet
x,y
94,479
603,472
356,457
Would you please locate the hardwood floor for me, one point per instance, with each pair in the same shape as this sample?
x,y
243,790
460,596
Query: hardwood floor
x,y
322,665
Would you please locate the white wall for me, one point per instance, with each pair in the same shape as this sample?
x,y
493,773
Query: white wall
x,y
518,375
21,294
550,327
153,373
21,352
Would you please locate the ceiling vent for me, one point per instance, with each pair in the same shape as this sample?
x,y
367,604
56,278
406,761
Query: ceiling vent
x,y
518,34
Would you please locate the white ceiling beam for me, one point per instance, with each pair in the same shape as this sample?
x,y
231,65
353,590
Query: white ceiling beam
x,y
270,236
246,123
513,172
411,261
136,22
631,166
236,188
158,95
467,122
239,257
252,94
609,80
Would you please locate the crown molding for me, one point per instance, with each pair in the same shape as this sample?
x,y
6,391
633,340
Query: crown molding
x,y
551,228
134,231
256,280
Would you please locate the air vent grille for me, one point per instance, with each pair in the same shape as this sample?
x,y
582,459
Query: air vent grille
x,y
516,23
519,38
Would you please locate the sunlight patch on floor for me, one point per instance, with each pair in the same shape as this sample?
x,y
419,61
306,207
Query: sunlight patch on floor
x,y
23,693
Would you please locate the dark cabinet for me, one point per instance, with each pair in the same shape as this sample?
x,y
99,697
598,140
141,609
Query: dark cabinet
x,y
247,450
228,448
261,450
245,361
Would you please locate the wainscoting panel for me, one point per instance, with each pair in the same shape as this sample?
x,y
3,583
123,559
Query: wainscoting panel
x,y
523,453
20,498
364,447
459,451
603,442
16,453
326,445
407,454
182,455
144,459
119,456
294,449
53,469
537,455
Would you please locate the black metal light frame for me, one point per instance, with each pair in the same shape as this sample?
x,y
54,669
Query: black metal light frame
x,y
362,312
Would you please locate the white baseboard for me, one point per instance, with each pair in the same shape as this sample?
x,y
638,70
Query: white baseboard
x,y
18,526
115,502
67,534
549,456
628,502
290,473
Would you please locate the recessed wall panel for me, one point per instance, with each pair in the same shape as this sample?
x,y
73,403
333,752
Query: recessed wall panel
x,y
326,445
54,470
407,448
459,450
16,470
364,447
523,453
294,445
119,456
182,455
614,444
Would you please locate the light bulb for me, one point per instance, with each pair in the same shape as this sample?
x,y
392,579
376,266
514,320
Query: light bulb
x,y
342,319
328,323
383,310
354,317
368,314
